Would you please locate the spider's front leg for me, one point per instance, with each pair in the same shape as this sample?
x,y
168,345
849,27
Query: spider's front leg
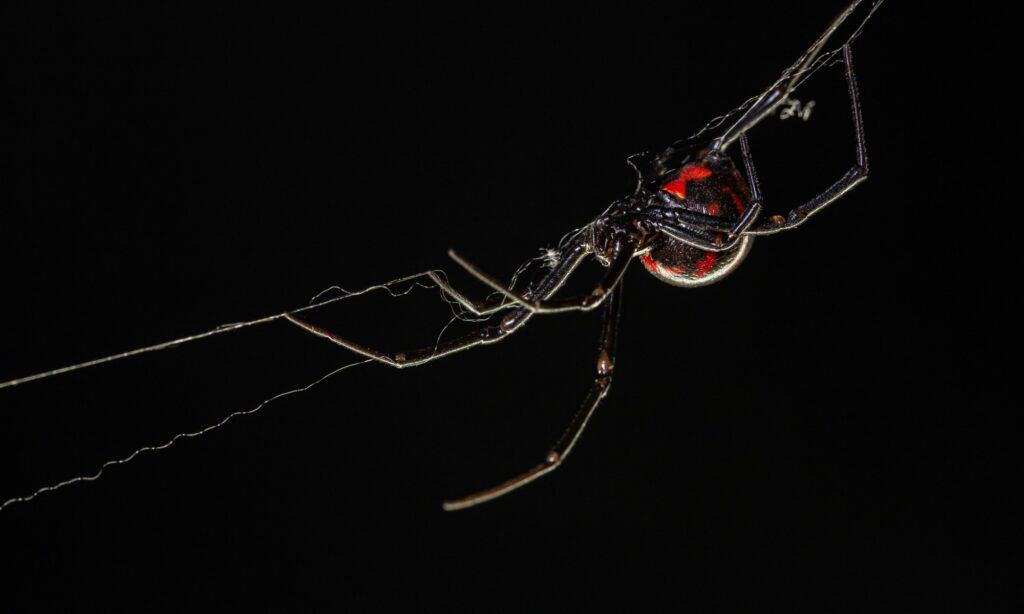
x,y
549,284
598,390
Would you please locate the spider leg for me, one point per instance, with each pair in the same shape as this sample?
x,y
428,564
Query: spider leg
x,y
622,252
489,334
549,284
673,216
683,230
484,308
775,95
598,390
856,174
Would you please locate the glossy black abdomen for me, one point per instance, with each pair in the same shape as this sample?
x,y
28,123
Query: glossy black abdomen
x,y
712,186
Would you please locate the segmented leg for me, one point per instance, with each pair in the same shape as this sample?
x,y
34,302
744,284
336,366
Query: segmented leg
x,y
598,390
858,173
571,257
696,231
484,308
622,252
776,95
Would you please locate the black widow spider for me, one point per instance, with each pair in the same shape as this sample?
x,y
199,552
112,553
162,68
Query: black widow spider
x,y
691,221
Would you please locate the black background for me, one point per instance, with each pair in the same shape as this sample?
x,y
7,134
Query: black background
x,y
805,433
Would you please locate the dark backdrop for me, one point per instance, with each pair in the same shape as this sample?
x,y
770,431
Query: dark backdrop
x,y
803,433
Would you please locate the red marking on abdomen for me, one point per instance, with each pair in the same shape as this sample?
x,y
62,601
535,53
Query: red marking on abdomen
x,y
649,262
706,264
735,200
658,268
714,209
689,173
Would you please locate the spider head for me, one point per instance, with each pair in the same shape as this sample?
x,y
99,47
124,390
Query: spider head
x,y
622,222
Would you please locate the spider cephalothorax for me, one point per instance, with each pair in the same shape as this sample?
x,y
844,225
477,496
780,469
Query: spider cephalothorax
x,y
625,221
691,221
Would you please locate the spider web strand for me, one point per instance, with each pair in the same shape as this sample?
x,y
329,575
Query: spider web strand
x,y
170,442
225,328
826,58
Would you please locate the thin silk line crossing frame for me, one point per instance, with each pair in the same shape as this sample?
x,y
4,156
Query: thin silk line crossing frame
x,y
691,221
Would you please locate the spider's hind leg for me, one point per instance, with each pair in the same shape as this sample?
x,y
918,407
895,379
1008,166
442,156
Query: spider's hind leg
x,y
701,237
856,174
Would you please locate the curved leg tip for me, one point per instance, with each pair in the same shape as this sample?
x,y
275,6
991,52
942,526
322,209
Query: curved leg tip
x,y
452,506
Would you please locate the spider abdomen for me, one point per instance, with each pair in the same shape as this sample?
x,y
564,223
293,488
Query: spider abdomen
x,y
711,186
681,264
